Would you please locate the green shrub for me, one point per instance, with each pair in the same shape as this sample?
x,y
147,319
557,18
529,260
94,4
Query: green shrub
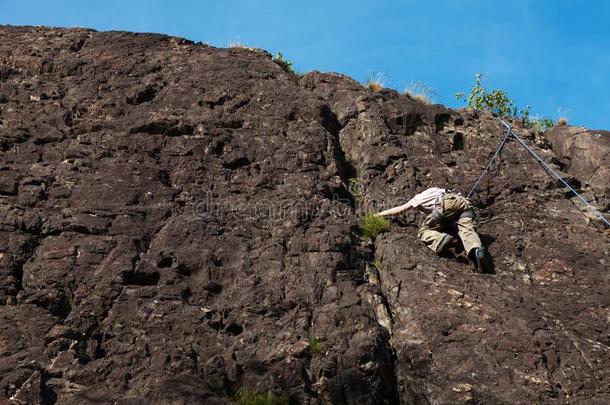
x,y
286,65
540,124
257,398
372,225
495,101
315,346
499,104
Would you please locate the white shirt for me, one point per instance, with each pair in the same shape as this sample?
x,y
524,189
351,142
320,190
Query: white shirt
x,y
426,199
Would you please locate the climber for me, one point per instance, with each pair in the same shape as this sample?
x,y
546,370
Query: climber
x,y
445,208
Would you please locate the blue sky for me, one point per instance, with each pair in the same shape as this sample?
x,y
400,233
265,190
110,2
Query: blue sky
x,y
553,55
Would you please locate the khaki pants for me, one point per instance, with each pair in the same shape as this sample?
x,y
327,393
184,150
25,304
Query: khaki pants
x,y
452,208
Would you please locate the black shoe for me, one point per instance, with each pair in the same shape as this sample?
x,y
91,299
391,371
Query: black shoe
x,y
482,262
445,244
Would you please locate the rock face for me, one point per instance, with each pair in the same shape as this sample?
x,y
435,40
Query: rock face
x,y
585,155
179,224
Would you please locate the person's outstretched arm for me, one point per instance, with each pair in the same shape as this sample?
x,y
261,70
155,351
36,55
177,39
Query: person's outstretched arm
x,y
395,210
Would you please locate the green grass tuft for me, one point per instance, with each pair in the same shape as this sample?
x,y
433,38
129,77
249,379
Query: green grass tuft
x,y
257,398
315,346
372,225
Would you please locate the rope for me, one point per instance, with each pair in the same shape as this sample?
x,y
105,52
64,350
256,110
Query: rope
x,y
548,169
495,155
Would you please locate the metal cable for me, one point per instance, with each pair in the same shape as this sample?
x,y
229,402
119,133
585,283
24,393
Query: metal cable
x,y
549,170
476,184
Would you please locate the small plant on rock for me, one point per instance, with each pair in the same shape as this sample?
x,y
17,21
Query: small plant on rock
x,y
314,345
354,187
376,86
374,82
495,101
257,398
420,92
540,124
236,44
286,65
372,225
499,104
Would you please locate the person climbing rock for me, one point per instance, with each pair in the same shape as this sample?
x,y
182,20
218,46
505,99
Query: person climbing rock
x,y
443,209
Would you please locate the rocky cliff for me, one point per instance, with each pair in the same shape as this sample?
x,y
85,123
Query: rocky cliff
x,y
179,224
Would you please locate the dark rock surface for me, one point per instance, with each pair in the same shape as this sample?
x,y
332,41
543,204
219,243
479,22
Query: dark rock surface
x,y
180,223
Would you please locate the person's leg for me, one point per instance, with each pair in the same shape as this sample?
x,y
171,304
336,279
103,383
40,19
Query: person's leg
x,y
431,233
467,232
460,209
471,241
